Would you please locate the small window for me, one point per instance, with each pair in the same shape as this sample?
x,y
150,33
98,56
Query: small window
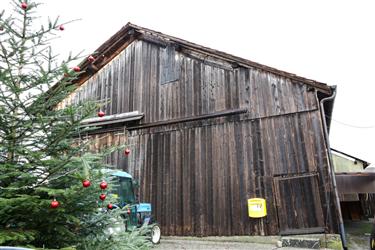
x,y
169,65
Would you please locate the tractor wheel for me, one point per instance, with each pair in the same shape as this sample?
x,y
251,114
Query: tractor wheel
x,y
155,234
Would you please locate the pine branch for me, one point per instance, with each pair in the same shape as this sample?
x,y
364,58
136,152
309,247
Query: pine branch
x,y
42,154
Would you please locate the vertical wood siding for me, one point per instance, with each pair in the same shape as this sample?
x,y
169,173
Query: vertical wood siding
x,y
198,175
133,81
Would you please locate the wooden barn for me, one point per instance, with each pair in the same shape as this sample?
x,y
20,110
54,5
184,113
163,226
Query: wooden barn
x,y
208,131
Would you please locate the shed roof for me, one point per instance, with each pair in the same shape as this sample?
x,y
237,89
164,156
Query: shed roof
x,y
131,32
365,163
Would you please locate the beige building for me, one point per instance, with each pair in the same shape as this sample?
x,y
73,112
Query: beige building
x,y
356,186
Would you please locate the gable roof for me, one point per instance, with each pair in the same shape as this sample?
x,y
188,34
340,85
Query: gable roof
x,y
131,32
365,163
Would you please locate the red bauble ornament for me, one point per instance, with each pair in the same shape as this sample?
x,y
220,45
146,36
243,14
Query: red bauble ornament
x,y
24,5
61,27
90,59
109,206
101,114
54,204
77,69
103,185
86,183
102,197
127,151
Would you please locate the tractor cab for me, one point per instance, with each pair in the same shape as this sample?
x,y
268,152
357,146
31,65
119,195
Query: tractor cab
x,y
125,188
138,214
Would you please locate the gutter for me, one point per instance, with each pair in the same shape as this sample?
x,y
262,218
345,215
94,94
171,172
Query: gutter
x,y
330,168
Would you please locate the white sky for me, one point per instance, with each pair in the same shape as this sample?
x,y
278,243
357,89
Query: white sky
x,y
328,41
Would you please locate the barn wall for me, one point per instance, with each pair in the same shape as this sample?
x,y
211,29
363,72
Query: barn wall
x,y
199,174
134,81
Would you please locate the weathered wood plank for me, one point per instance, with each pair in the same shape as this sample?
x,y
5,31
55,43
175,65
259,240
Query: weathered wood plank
x,y
197,162
193,192
132,82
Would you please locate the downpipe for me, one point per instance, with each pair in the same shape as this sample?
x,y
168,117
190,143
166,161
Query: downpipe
x,y
330,168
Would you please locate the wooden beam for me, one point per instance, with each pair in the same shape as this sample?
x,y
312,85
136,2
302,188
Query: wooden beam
x,y
189,119
153,40
112,119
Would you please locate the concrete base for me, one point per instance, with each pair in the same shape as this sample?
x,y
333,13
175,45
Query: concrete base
x,y
312,243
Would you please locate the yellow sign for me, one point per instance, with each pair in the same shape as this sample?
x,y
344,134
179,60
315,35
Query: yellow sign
x,y
257,207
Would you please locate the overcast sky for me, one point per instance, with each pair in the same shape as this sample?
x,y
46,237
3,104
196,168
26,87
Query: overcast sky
x,y
328,41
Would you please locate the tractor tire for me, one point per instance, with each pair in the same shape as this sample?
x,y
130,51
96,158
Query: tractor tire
x,y
155,234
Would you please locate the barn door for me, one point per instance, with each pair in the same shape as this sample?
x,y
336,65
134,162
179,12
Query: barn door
x,y
299,206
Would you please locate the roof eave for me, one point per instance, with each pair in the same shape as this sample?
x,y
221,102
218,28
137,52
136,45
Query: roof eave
x,y
130,32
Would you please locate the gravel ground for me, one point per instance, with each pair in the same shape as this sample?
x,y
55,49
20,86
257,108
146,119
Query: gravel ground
x,y
358,234
177,244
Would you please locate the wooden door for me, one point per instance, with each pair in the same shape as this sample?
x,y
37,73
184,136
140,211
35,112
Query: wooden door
x,y
299,205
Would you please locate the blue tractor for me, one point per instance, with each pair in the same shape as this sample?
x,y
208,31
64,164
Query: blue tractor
x,y
138,214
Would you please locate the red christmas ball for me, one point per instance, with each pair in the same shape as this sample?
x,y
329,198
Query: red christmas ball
x,y
61,27
77,69
109,206
103,185
127,151
102,197
24,5
90,59
101,114
86,183
54,204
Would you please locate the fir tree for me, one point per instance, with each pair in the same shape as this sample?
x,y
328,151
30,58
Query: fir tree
x,y
42,157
